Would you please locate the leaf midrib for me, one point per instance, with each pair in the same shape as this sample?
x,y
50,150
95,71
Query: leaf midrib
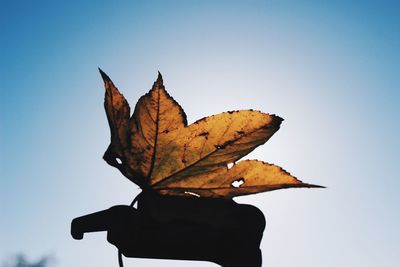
x,y
153,157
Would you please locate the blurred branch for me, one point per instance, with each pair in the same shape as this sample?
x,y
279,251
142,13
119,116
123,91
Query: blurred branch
x,y
20,261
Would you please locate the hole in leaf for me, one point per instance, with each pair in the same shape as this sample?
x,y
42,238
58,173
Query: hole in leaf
x,y
119,161
230,165
192,194
237,183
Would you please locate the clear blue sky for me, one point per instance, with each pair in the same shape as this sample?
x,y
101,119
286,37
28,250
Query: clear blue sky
x,y
329,68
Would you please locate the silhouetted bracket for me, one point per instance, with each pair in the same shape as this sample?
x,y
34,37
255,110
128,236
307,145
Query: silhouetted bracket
x,y
183,228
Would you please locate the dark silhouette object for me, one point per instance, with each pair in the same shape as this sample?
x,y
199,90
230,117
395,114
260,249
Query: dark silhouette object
x,y
186,228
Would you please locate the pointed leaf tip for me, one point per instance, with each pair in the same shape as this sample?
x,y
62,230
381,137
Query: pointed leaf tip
x,y
313,185
104,75
159,78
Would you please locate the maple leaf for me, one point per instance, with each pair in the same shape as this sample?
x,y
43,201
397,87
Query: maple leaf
x,y
156,149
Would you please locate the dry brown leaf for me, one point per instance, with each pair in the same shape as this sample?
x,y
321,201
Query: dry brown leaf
x,y
155,148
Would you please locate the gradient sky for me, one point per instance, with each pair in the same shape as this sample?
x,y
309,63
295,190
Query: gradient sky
x,y
329,68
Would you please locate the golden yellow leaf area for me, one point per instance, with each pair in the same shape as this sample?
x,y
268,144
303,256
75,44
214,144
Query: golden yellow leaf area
x,y
155,148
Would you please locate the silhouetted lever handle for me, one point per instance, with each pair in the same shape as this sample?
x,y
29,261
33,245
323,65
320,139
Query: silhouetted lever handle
x,y
185,228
